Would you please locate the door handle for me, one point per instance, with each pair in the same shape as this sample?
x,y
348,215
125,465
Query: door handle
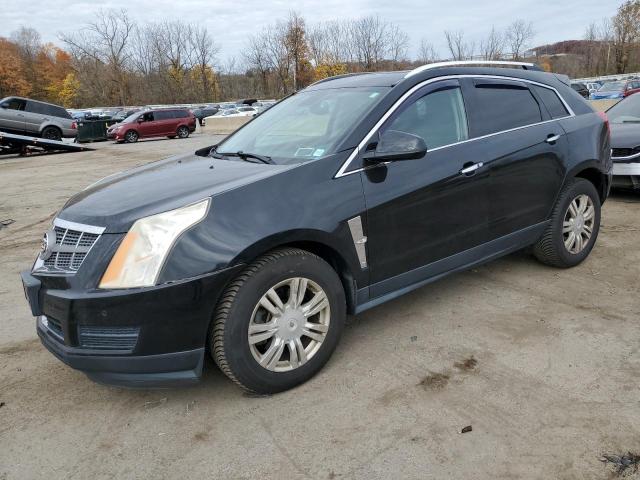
x,y
552,138
471,168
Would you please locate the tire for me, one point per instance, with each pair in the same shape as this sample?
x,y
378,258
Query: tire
x,y
552,248
52,133
183,132
239,308
131,136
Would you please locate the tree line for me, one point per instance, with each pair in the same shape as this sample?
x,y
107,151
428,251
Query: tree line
x,y
117,61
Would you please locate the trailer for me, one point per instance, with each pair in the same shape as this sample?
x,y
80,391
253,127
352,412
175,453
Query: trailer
x,y
11,143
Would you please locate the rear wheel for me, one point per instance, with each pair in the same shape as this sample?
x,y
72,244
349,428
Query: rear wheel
x,y
183,132
131,136
52,133
574,226
279,321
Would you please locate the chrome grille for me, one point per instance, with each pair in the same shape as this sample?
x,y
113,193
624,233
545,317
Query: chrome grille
x,y
624,152
73,242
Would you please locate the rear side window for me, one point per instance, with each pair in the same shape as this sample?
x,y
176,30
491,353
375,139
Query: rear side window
x,y
551,100
180,114
502,107
438,117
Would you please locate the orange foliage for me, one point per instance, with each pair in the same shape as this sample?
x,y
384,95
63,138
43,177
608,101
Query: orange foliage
x,y
12,76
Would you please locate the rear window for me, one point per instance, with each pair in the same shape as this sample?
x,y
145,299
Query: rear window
x,y
551,100
502,107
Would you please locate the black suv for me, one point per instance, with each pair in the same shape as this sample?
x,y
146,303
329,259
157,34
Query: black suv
x,y
347,194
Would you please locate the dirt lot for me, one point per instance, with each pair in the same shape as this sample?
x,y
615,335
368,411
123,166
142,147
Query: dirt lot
x,y
543,363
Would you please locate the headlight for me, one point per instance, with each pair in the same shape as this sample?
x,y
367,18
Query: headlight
x,y
140,256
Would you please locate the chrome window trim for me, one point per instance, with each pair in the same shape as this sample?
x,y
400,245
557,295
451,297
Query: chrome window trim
x,y
342,171
628,157
58,222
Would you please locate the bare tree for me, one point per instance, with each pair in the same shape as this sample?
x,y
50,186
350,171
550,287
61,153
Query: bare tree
x,y
397,44
369,41
518,36
203,52
426,52
296,44
491,48
458,47
106,42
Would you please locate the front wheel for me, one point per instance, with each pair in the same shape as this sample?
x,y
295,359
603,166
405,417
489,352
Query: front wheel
x,y
574,226
131,136
279,321
183,132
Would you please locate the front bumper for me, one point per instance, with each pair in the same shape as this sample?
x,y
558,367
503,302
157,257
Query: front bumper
x,y
145,337
626,175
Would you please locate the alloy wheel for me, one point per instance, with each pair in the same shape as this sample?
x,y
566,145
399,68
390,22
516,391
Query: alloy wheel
x,y
577,226
289,324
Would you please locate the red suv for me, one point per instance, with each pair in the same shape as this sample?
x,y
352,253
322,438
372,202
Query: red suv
x,y
168,122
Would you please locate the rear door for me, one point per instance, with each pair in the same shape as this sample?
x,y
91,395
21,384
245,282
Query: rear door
x,y
165,121
12,115
525,146
35,114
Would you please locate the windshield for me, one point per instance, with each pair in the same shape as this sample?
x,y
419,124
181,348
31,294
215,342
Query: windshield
x,y
132,118
626,111
306,126
612,86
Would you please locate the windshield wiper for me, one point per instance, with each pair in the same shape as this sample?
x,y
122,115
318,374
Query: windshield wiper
x,y
246,155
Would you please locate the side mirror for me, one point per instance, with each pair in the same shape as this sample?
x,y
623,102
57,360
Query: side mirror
x,y
394,145
140,119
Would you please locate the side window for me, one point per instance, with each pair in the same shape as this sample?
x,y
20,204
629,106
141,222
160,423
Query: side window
x,y
148,117
162,115
182,113
503,106
36,107
14,104
551,100
438,117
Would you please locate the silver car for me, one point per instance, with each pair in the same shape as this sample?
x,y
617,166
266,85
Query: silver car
x,y
32,117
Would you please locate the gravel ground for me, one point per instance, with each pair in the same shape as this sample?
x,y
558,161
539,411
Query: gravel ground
x,y
544,364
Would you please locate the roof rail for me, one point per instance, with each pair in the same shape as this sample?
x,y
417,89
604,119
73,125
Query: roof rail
x,y
464,63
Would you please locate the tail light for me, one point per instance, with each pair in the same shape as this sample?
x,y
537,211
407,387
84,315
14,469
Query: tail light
x,y
604,117
74,126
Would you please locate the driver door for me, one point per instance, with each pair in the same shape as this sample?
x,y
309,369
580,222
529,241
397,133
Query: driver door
x,y
423,214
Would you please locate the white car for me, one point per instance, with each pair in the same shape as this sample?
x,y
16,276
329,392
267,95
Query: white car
x,y
592,86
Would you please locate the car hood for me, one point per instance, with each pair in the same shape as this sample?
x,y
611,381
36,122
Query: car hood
x,y
117,201
625,135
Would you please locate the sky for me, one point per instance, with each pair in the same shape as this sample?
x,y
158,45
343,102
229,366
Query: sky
x,y
230,22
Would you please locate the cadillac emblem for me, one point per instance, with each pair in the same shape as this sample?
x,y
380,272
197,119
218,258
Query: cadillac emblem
x,y
48,242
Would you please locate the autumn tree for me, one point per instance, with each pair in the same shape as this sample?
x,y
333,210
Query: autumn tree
x,y
626,33
12,75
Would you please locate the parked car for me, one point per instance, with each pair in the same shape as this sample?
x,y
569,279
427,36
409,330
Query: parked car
x,y
24,116
122,114
169,122
340,197
624,118
619,89
581,88
201,113
592,86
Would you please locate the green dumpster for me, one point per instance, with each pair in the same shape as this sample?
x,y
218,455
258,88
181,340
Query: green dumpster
x,y
93,130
